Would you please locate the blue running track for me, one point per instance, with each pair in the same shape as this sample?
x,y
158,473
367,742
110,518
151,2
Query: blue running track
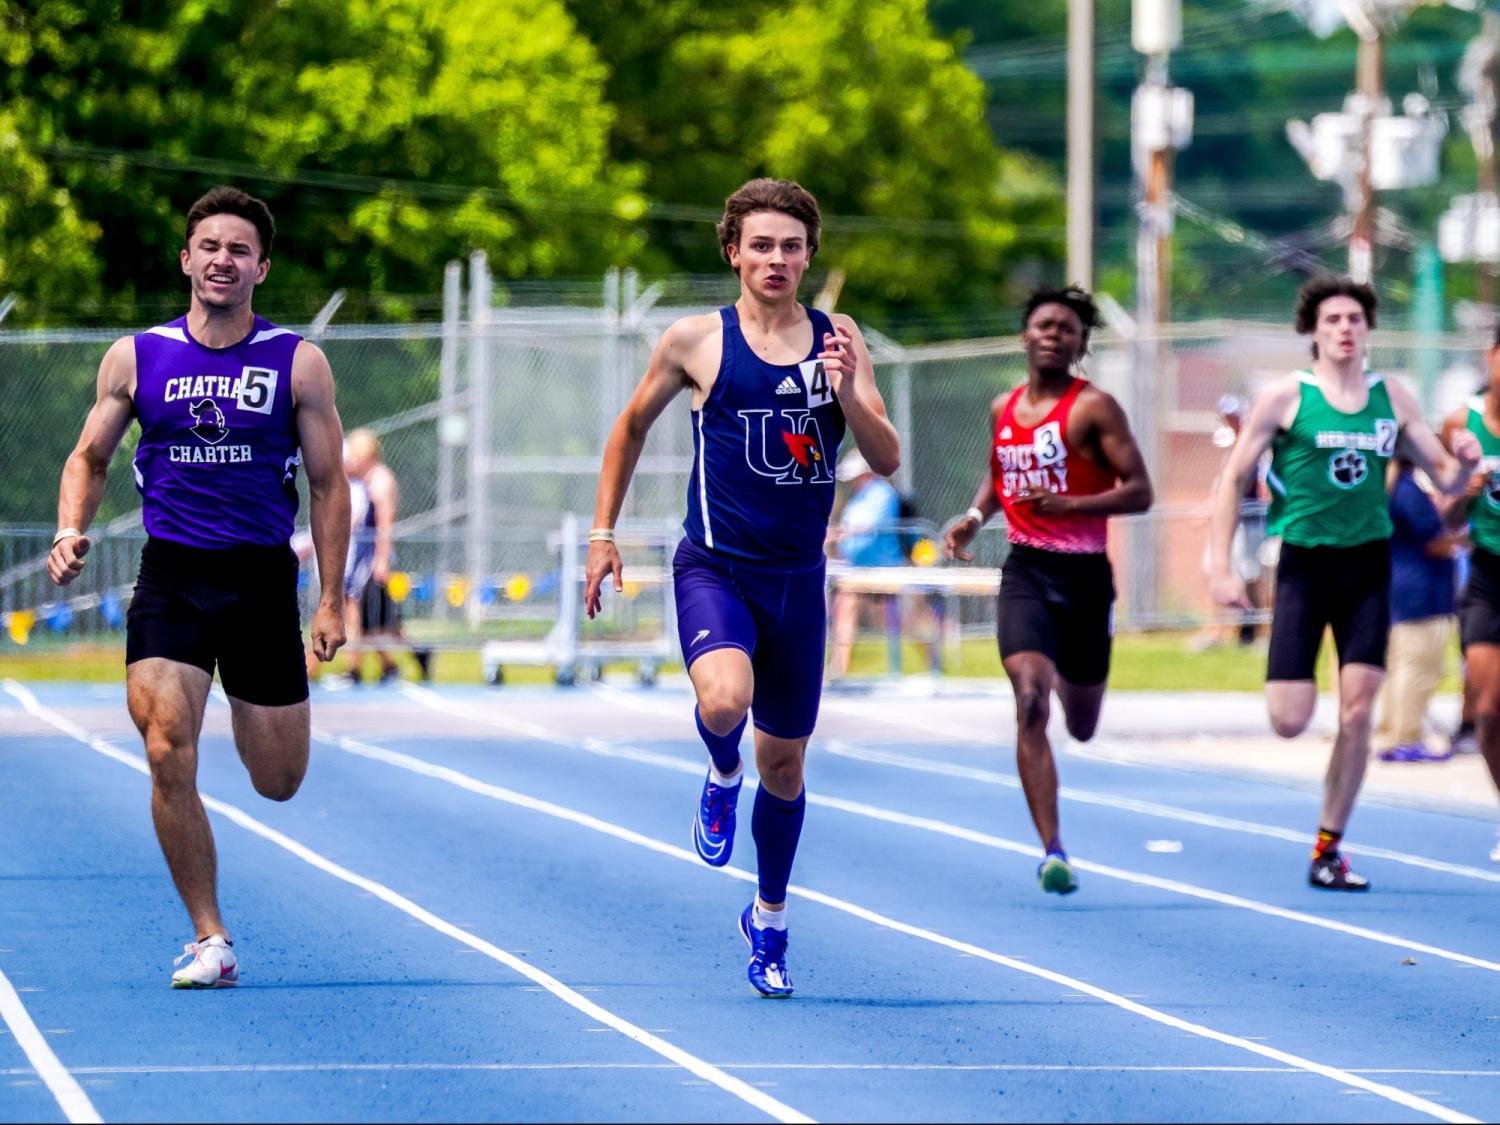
x,y
484,905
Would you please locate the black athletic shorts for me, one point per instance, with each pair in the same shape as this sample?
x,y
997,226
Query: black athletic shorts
x,y
235,607
1479,604
1345,588
1060,605
377,609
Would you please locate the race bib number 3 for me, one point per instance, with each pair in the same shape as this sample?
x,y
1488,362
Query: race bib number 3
x,y
1047,443
815,379
257,389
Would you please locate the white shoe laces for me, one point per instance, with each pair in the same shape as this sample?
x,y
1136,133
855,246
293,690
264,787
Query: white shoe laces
x,y
189,952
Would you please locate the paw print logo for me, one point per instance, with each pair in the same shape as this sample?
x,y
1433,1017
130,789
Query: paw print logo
x,y
1347,468
1492,490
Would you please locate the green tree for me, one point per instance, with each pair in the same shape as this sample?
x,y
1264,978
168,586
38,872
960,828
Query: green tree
x,y
864,103
44,238
389,136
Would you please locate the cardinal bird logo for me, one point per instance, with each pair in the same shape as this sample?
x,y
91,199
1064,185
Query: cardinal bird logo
x,y
798,459
804,449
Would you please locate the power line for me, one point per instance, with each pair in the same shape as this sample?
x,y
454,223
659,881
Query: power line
x,y
431,189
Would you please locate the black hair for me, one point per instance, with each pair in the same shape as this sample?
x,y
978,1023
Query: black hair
x,y
1319,289
232,201
1072,297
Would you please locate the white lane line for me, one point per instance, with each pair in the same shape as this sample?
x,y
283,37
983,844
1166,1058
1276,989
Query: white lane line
x,y
1170,885
45,1064
977,1068
1067,793
691,1063
957,832
1151,808
584,820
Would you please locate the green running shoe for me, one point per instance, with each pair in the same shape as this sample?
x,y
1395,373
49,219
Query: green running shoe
x,y
1056,875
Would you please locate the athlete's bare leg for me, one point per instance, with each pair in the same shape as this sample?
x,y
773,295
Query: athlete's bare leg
x,y
1358,686
779,762
1081,707
166,700
273,744
1032,679
725,685
1291,704
845,625
1482,681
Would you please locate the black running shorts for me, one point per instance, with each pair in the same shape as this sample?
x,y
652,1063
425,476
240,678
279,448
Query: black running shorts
x,y
1479,604
234,607
1060,605
1347,589
377,609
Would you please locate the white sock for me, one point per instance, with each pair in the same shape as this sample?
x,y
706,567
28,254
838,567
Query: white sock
x,y
768,919
725,782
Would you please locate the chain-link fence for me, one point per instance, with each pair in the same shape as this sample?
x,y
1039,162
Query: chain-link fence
x,y
493,422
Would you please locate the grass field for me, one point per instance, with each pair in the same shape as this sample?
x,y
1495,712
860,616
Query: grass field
x,y
1168,661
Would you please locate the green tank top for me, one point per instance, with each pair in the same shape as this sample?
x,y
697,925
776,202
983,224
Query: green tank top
x,y
1484,509
1327,475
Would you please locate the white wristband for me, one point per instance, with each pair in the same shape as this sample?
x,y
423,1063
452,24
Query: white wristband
x,y
65,533
602,535
976,515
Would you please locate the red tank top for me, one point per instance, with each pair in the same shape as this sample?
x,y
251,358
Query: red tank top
x,y
1027,459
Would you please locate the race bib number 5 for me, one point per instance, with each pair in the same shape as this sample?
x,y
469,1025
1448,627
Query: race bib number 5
x,y
257,389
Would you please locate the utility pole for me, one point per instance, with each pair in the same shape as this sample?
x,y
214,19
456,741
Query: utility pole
x,y
1479,117
1160,122
1367,148
1153,254
1369,101
1081,143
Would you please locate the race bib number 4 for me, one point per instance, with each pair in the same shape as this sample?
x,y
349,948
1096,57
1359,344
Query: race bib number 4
x,y
815,379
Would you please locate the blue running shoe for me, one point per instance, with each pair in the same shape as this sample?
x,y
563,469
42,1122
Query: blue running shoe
x,y
767,969
713,827
1056,875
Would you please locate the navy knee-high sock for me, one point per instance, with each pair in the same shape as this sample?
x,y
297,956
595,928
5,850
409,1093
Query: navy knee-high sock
x,y
724,749
776,826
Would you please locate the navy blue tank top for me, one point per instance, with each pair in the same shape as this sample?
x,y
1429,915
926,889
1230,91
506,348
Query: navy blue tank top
x,y
217,461
765,443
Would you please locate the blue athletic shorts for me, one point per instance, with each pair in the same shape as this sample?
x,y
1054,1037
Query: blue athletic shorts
x,y
776,616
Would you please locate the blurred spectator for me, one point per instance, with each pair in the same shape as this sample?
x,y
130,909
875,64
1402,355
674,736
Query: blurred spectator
x,y
868,535
1422,607
370,613
1249,535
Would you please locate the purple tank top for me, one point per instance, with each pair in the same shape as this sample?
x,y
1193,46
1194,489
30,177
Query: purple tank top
x,y
217,461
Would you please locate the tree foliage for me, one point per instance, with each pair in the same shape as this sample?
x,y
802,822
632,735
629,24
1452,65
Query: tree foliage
x,y
561,136
388,135
864,103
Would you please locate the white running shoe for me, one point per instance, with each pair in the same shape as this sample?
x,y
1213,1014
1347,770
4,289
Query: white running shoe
x,y
211,964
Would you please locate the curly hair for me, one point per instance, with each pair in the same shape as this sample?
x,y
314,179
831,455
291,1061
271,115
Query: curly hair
x,y
1072,297
1318,289
786,196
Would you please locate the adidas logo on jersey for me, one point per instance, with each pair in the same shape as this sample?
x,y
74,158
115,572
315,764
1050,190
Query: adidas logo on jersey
x,y
788,386
1005,433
